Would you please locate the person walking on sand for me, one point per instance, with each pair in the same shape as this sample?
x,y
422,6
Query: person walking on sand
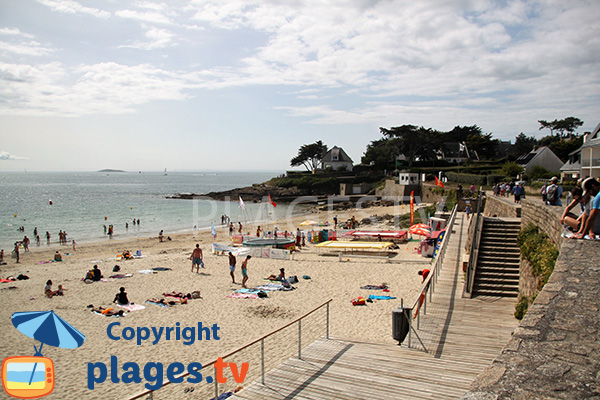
x,y
16,252
26,242
232,262
245,271
48,238
74,245
196,258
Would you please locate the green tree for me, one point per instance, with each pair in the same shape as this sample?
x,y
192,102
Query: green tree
x,y
511,169
539,172
524,144
412,141
565,127
382,153
309,155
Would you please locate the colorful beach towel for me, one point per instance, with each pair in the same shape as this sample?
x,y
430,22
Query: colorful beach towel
x,y
373,297
106,315
247,291
131,306
236,295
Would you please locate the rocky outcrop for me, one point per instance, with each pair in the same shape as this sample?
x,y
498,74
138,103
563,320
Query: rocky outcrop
x,y
254,193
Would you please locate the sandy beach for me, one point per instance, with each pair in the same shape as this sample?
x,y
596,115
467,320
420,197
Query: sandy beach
x,y
239,320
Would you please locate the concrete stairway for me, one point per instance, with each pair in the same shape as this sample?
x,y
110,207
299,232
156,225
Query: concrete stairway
x,y
497,272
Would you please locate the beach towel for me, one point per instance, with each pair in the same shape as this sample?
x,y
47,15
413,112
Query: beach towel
x,y
157,304
236,295
270,286
121,276
105,315
247,291
131,306
161,269
372,297
6,280
147,271
374,287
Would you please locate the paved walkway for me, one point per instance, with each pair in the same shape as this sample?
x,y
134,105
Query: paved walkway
x,y
462,337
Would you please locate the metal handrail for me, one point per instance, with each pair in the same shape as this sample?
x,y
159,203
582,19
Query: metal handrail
x,y
431,279
261,340
474,253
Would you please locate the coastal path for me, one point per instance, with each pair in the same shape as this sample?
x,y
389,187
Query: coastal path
x,y
461,336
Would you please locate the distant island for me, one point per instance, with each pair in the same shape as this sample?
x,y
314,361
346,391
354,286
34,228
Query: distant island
x,y
111,170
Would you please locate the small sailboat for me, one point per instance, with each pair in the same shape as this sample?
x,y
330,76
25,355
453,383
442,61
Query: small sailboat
x,y
165,173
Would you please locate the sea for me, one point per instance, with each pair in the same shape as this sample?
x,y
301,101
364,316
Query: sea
x,y
84,203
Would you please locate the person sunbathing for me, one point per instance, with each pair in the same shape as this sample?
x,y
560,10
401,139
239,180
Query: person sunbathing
x,y
127,255
177,294
107,311
161,301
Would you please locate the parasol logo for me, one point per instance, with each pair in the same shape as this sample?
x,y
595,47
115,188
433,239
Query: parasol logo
x,y
33,377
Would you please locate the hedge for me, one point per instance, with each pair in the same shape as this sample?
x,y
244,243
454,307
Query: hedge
x,y
467,179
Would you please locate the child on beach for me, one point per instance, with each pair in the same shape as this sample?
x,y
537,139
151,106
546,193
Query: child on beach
x,y
60,291
48,289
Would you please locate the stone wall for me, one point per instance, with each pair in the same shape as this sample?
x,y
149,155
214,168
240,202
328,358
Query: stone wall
x,y
501,207
547,218
554,353
393,190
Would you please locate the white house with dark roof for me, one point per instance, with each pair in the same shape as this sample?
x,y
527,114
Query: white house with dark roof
x,y
336,159
543,157
590,154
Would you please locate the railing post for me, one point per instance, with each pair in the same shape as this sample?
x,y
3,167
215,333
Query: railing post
x,y
300,339
216,387
410,326
327,320
262,360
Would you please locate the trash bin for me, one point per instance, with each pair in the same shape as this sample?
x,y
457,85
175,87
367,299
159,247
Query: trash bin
x,y
400,323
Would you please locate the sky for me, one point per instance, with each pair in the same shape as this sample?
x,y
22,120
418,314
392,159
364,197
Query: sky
x,y
241,85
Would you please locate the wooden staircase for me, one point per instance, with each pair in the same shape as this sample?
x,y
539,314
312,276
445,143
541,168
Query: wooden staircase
x,y
497,272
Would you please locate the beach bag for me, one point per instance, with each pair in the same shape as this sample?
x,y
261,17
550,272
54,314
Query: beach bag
x,y
138,253
116,268
552,194
359,301
262,294
305,277
195,294
293,279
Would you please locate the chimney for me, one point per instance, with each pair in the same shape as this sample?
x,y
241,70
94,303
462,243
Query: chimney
x,y
586,135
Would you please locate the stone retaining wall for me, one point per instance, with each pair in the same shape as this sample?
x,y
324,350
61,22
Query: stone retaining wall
x,y
501,207
547,218
555,352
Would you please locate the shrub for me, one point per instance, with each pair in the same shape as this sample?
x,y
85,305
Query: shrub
x,y
521,308
539,251
467,179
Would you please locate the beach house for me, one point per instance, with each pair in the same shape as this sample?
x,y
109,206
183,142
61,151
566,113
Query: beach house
x,y
336,159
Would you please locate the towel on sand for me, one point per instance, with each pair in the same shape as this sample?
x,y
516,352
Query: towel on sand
x,y
372,297
131,306
236,295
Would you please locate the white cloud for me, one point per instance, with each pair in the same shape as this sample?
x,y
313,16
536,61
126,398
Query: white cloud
x,y
4,156
73,7
145,16
110,88
158,38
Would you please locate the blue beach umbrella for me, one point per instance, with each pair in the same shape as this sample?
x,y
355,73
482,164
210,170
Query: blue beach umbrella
x,y
48,328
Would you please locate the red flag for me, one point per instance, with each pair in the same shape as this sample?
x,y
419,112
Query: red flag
x,y
438,182
412,207
272,202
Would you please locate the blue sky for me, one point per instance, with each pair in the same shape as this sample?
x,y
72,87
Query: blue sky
x,y
241,85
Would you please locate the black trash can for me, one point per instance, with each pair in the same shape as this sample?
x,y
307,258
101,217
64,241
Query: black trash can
x,y
400,323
